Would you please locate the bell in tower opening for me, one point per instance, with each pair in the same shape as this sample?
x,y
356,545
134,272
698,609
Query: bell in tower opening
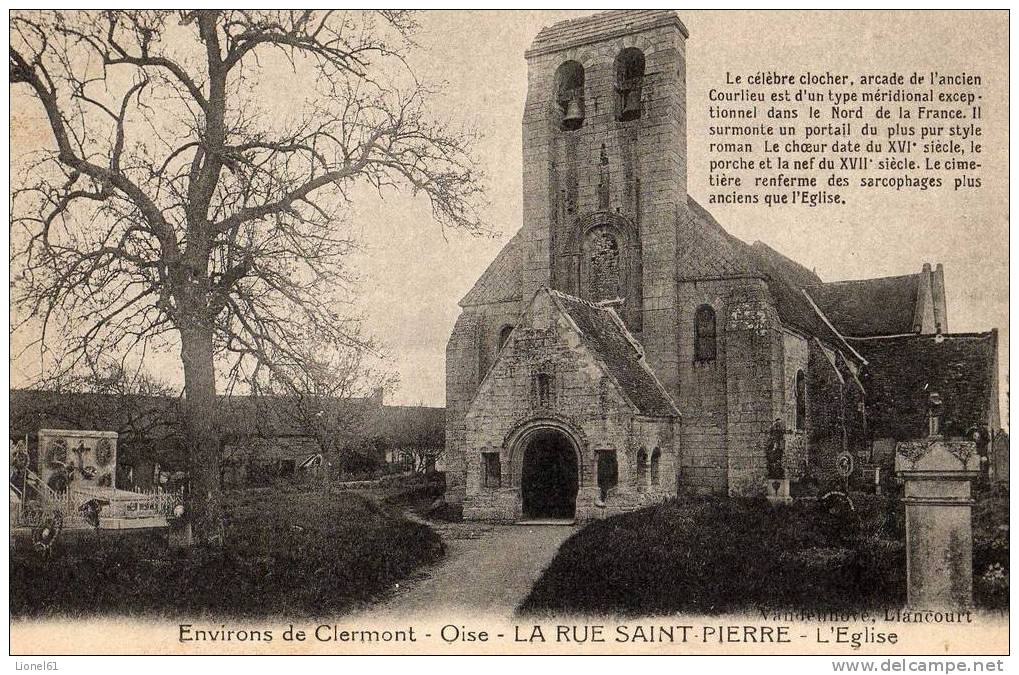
x,y
570,95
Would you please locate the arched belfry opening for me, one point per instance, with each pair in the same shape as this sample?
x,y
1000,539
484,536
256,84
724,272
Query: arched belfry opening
x,y
569,95
629,83
549,477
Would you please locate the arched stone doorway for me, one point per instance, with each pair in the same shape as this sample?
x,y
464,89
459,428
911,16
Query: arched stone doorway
x,y
550,476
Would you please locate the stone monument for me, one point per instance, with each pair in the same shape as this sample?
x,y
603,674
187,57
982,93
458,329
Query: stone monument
x,y
939,539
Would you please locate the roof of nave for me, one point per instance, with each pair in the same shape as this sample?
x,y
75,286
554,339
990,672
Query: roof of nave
x,y
705,251
606,335
732,257
501,281
863,307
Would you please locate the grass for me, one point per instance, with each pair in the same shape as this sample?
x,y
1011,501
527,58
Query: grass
x,y
717,555
295,554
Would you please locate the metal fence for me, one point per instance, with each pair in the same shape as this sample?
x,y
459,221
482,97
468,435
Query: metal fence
x,y
119,504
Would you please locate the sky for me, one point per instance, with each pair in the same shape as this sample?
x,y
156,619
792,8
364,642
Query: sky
x,y
414,273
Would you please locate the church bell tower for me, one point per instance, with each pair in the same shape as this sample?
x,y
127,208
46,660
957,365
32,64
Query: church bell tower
x,y
604,168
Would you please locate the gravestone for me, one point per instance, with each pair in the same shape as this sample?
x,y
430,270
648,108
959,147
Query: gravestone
x,y
939,534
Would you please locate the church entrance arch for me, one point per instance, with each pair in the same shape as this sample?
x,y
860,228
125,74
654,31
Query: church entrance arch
x,y
550,474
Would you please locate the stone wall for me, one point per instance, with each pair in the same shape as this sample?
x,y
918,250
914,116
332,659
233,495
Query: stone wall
x,y
826,423
470,352
702,395
754,374
462,380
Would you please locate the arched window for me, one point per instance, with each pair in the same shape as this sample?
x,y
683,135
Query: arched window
x,y
608,472
801,400
629,83
569,95
504,336
605,265
656,459
544,394
491,470
640,479
705,348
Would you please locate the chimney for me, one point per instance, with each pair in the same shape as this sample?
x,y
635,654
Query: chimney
x,y
378,395
923,314
938,293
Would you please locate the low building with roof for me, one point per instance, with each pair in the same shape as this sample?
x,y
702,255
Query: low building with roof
x,y
263,439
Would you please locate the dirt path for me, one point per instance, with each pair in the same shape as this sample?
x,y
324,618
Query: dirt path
x,y
487,569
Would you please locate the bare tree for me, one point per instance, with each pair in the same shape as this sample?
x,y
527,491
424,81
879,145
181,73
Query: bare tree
x,y
183,204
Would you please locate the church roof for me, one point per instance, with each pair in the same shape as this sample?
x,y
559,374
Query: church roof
x,y
606,335
882,306
705,250
731,257
904,370
501,281
600,27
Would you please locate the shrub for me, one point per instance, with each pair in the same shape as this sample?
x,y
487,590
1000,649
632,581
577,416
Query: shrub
x,y
294,554
359,465
991,549
724,555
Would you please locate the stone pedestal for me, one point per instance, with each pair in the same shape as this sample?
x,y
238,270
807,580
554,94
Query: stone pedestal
x,y
777,491
939,538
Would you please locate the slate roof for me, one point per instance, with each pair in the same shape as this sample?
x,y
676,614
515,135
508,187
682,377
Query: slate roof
x,y
406,426
605,334
501,282
904,370
133,417
705,250
601,26
866,307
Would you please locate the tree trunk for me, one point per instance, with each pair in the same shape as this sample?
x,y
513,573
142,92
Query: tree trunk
x,y
202,501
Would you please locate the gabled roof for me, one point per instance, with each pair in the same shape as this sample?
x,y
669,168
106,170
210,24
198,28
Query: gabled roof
x,y
605,334
501,282
600,27
882,306
904,370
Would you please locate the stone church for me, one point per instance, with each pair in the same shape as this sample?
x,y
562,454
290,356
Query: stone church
x,y
623,347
